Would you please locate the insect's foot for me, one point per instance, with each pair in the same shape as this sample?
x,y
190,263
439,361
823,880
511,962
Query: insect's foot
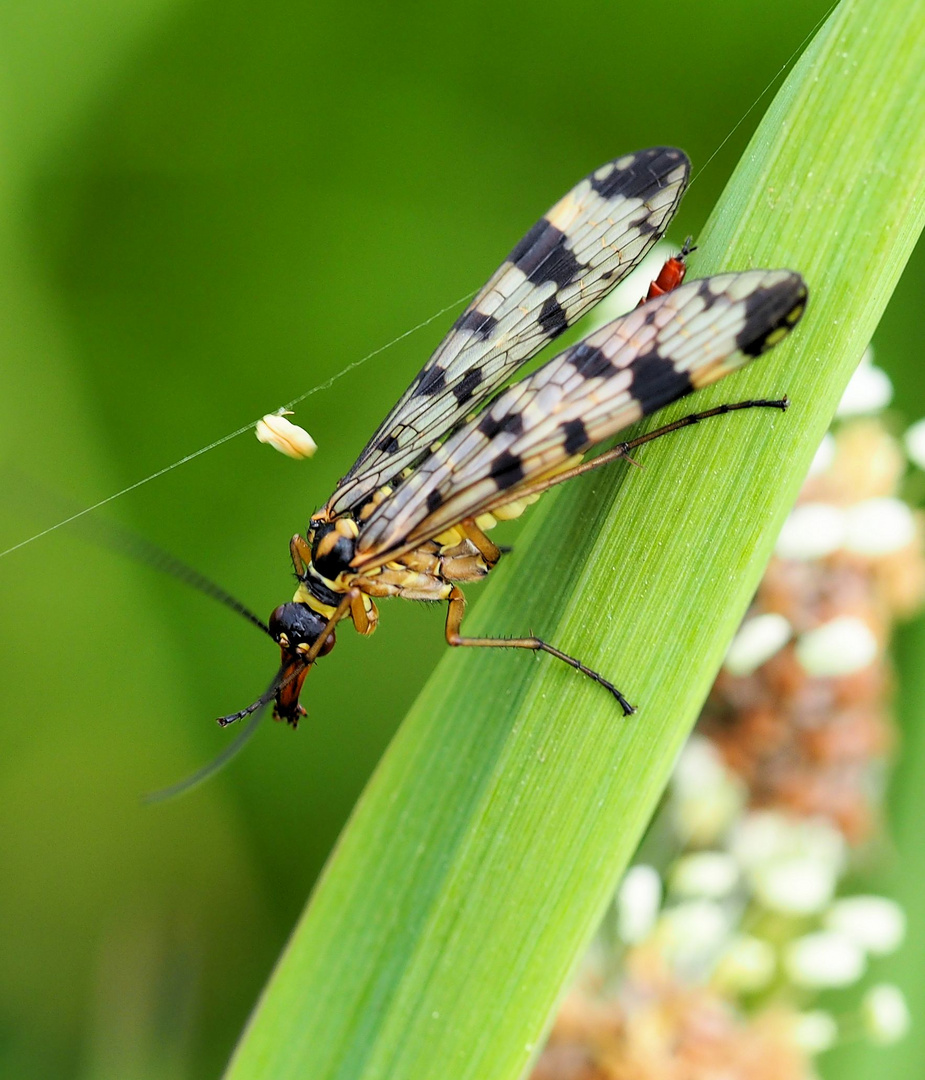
x,y
544,646
628,709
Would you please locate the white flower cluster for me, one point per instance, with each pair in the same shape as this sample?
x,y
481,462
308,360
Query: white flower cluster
x,y
748,870
872,528
841,646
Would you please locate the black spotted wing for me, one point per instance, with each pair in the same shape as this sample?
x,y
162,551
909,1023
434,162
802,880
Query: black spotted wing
x,y
574,255
629,368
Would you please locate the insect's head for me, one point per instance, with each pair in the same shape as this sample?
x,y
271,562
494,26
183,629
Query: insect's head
x,y
295,627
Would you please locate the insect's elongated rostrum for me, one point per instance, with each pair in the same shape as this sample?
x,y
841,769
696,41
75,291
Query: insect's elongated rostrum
x,y
454,456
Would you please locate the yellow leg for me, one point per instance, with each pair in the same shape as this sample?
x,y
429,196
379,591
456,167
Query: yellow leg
x,y
364,621
454,617
489,551
301,554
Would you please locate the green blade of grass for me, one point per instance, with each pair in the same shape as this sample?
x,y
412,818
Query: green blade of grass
x,y
485,848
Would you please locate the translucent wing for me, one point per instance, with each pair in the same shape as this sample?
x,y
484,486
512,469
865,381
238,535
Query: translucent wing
x,y
629,368
566,263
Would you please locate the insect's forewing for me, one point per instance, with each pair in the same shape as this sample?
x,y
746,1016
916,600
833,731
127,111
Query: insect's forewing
x,y
566,263
629,368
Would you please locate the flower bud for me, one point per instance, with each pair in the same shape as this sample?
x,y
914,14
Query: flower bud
x,y
842,646
914,441
875,923
638,901
824,960
756,642
815,1031
886,1014
746,966
879,526
812,531
868,391
712,875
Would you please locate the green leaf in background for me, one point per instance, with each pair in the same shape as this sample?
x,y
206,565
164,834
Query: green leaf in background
x,y
484,850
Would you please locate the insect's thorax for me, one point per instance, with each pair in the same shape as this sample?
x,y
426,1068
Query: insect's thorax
x,y
322,564
426,571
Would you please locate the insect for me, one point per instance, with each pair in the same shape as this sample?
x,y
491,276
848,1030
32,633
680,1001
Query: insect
x,y
457,453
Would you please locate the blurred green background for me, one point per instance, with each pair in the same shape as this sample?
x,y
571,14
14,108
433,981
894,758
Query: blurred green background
x,y
206,210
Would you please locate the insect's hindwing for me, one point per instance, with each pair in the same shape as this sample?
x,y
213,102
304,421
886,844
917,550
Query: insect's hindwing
x,y
566,263
631,367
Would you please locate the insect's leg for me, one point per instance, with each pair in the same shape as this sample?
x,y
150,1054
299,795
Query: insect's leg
x,y
301,554
454,616
622,450
694,418
489,550
364,620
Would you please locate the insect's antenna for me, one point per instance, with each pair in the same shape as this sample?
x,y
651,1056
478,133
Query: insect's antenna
x,y
124,541
257,711
271,691
278,683
233,718
127,542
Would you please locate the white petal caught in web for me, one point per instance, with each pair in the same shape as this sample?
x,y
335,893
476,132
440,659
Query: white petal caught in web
x,y
284,436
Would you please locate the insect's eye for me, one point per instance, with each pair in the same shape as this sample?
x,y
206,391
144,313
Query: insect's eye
x,y
296,624
333,547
